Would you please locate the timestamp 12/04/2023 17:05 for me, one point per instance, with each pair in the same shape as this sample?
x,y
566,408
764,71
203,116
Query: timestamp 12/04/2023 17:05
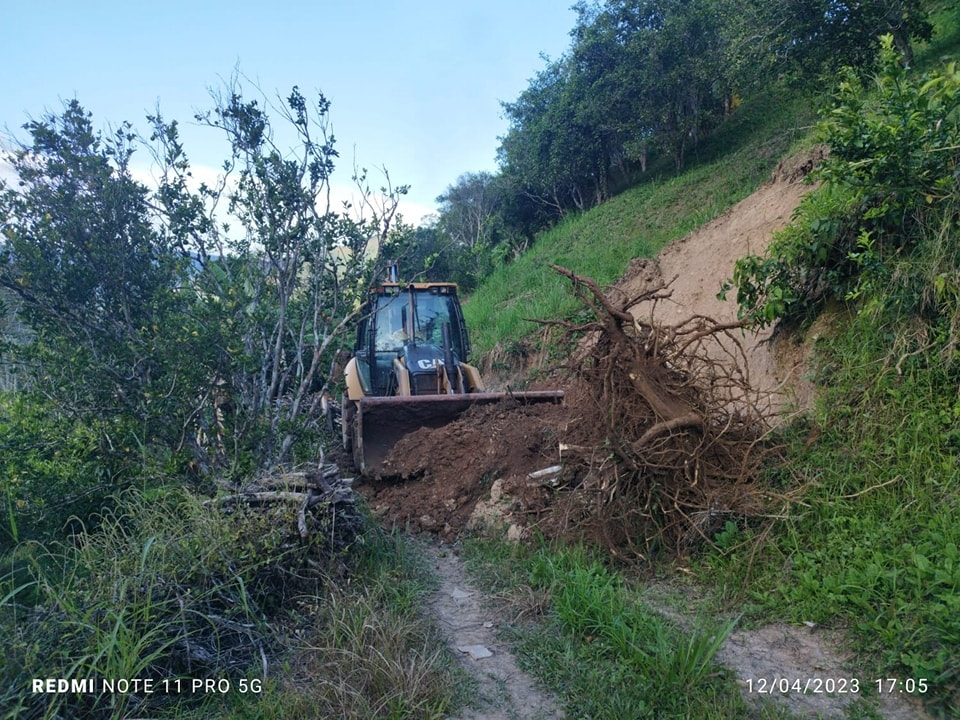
x,y
835,686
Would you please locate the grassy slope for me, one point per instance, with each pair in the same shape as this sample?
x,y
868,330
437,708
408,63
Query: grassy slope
x,y
873,543
637,223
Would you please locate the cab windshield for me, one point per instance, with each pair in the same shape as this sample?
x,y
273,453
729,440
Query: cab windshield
x,y
430,310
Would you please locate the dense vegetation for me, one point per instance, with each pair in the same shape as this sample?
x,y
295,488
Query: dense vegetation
x,y
888,211
169,337
163,344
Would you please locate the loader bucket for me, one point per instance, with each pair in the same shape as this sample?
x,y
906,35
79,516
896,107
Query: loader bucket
x,y
382,421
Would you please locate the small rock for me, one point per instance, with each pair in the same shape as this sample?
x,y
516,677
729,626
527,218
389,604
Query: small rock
x,y
477,652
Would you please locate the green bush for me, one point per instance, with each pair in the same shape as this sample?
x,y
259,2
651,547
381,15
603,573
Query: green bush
x,y
889,183
50,474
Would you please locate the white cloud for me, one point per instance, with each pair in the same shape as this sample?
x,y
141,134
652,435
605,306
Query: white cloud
x,y
415,213
6,172
199,174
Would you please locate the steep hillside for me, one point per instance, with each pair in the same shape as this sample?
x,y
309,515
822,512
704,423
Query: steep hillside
x,y
697,266
480,472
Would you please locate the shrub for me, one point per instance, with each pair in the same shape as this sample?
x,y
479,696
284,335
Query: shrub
x,y
889,183
50,473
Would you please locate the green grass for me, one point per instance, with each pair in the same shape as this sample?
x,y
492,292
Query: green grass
x,y
168,589
366,650
873,544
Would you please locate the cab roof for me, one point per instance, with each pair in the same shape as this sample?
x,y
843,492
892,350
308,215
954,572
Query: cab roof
x,y
443,288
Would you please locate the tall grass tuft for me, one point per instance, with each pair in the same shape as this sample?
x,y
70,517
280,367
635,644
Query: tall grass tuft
x,y
370,652
162,590
603,651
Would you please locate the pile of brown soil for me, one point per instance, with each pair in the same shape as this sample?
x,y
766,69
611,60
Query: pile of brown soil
x,y
438,475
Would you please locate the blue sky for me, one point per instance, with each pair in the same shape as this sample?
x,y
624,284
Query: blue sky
x,y
415,85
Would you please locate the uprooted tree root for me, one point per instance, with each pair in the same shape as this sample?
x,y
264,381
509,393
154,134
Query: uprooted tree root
x,y
672,438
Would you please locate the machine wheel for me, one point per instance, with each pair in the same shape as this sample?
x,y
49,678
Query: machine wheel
x,y
331,412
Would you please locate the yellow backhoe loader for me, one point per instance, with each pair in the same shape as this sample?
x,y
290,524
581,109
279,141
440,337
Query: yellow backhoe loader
x,y
409,370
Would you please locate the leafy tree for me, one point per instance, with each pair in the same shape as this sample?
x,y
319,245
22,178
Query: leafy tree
x,y
190,323
13,333
282,290
95,281
811,37
680,68
470,216
532,153
520,213
640,76
649,79
106,378
468,210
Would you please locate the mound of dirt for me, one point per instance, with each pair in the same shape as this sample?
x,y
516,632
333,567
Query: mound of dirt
x,y
441,474
697,265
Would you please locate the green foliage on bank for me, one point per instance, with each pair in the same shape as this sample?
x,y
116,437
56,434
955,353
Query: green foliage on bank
x,y
171,591
154,582
881,229
871,542
597,646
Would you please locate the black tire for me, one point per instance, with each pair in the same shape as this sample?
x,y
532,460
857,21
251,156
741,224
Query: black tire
x,y
331,419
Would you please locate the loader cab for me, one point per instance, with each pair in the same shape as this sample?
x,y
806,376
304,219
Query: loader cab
x,y
406,323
